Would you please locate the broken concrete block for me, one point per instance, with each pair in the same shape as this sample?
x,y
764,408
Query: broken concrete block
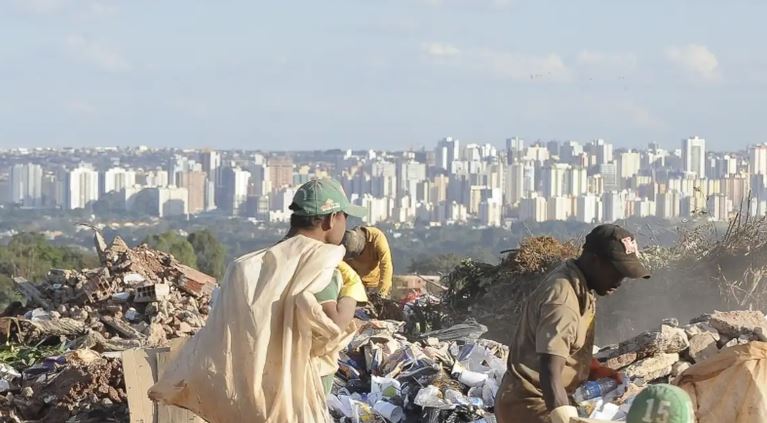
x,y
652,368
621,361
702,346
194,282
736,323
151,293
666,340
701,327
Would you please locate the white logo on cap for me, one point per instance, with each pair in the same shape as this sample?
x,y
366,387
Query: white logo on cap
x,y
630,245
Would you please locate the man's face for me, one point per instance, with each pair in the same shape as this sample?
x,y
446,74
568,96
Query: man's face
x,y
337,223
606,278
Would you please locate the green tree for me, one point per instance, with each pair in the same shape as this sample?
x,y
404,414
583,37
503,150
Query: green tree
x,y
31,255
173,243
211,254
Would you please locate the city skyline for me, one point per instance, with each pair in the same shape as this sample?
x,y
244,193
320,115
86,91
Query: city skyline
x,y
382,75
452,183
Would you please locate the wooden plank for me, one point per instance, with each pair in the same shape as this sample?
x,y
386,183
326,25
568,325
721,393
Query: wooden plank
x,y
169,413
139,370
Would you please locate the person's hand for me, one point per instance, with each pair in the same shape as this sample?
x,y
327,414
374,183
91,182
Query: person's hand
x,y
598,371
563,414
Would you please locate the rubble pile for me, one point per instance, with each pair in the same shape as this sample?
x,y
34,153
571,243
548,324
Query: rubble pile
x,y
139,297
660,356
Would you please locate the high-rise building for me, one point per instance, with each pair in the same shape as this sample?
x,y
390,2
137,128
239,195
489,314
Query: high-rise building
x,y
757,161
172,201
577,181
609,172
211,165
588,209
514,148
694,156
514,186
629,164
613,206
152,178
26,185
559,208
409,174
554,178
718,207
490,212
195,183
533,209
82,187
116,179
281,172
603,150
570,152
668,205
234,189
448,150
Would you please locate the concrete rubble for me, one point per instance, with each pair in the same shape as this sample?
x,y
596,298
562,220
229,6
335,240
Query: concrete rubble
x,y
664,354
139,297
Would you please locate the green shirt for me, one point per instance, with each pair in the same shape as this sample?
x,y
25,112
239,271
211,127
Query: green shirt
x,y
330,293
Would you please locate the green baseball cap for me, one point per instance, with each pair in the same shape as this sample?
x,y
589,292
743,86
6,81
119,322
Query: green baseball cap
x,y
320,197
619,247
661,403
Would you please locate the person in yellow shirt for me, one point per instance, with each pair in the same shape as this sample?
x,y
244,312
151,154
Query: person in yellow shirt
x,y
368,253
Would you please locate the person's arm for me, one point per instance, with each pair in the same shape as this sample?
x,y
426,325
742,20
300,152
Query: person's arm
x,y
386,270
551,381
341,312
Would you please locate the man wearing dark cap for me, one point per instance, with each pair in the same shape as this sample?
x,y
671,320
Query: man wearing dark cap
x,y
551,350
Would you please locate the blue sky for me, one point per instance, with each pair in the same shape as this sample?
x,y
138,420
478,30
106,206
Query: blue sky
x,y
380,73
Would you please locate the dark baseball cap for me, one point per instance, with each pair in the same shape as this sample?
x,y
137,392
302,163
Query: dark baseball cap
x,y
323,196
619,247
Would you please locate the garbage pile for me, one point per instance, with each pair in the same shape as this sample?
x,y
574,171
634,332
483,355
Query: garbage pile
x,y
660,356
62,351
452,375
449,375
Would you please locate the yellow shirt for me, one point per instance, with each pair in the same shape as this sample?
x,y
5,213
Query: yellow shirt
x,y
351,283
374,264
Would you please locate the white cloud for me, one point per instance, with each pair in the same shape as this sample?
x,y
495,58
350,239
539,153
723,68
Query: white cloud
x,y
96,53
517,66
601,59
440,50
696,59
500,64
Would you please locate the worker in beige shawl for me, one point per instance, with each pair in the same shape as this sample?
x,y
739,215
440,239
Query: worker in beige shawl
x,y
269,341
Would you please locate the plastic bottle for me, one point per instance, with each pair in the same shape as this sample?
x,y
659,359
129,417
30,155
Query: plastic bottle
x,y
594,388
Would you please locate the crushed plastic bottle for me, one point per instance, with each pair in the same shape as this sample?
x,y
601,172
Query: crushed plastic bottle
x,y
594,388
